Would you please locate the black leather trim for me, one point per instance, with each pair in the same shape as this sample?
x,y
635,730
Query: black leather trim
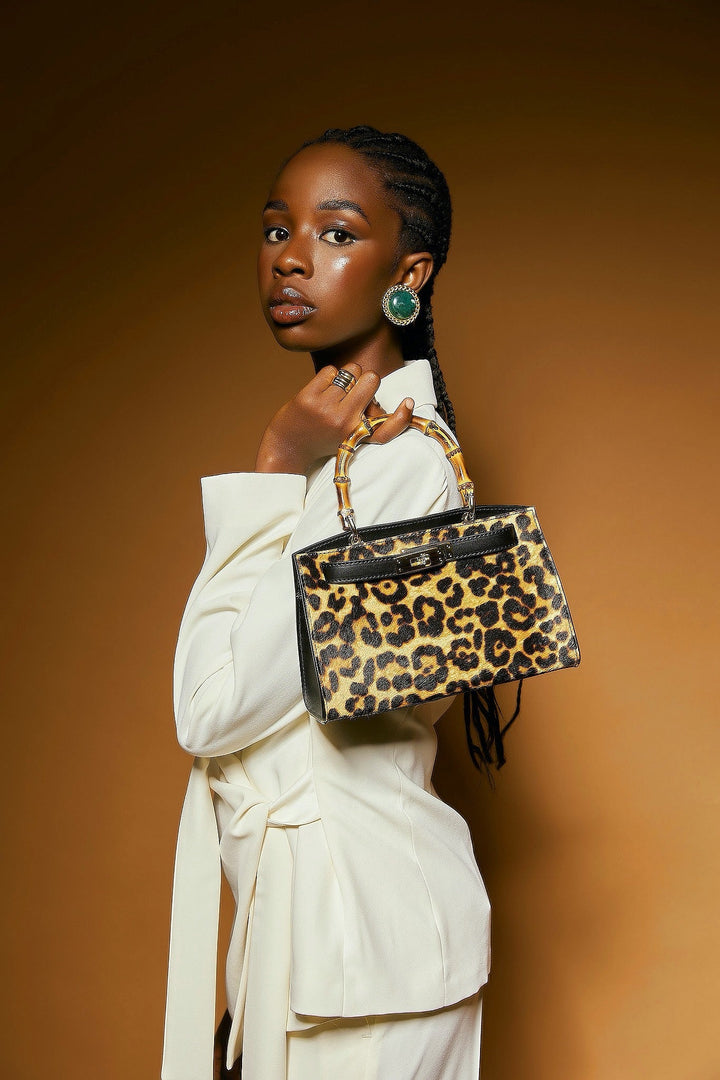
x,y
312,694
385,567
397,528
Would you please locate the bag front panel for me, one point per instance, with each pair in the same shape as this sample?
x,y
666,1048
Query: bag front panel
x,y
476,621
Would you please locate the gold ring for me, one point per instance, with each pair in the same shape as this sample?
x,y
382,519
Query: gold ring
x,y
344,379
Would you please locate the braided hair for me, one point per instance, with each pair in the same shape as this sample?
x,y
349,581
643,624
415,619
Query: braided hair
x,y
420,195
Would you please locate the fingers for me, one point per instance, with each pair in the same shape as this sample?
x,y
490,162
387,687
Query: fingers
x,y
349,406
325,376
396,422
358,396
374,409
362,393
352,402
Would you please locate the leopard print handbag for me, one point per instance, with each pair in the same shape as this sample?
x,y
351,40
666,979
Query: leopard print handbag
x,y
392,615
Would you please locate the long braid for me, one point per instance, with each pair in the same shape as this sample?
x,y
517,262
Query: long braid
x,y
421,197
444,402
419,193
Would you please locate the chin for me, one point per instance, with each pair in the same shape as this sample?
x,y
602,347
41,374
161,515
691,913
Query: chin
x,y
303,337
288,338
299,338
295,346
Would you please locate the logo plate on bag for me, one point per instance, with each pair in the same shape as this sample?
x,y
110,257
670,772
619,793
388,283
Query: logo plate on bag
x,y
424,558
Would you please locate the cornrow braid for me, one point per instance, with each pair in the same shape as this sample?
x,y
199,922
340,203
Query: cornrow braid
x,y
426,345
420,195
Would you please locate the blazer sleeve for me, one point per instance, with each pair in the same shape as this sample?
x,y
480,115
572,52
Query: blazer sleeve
x,y
237,674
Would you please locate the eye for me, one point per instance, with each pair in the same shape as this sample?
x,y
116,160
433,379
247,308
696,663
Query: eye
x,y
275,229
339,237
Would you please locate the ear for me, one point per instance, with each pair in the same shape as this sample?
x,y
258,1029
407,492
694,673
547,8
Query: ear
x,y
416,269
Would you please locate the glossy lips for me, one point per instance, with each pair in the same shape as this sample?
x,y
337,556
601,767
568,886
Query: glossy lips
x,y
289,306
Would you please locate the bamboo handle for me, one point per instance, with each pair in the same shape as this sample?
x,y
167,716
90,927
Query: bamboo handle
x,y
363,431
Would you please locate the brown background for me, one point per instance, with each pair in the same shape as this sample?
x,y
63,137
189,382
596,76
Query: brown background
x,y
577,324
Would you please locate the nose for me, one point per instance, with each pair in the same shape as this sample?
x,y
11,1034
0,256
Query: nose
x,y
294,258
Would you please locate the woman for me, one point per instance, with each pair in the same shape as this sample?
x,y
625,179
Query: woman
x,y
361,938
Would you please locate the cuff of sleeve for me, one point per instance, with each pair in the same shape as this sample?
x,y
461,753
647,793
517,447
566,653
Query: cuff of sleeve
x,y
249,502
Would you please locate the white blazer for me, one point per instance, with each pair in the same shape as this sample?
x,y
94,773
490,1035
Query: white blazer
x,y
386,910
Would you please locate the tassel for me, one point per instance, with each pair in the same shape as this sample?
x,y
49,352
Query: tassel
x,y
483,727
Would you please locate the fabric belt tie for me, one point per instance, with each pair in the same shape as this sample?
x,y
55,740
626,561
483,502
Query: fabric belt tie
x,y
262,863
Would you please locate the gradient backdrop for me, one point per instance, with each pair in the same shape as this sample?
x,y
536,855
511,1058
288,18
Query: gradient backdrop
x,y
577,323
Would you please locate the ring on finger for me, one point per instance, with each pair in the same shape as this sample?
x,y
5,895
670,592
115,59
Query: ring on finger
x,y
344,379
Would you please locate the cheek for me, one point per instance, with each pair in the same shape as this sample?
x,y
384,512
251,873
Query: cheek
x,y
339,267
264,265
357,280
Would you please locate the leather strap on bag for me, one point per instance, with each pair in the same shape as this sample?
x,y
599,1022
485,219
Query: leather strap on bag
x,y
364,431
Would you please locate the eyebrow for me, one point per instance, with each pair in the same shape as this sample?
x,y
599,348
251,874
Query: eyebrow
x,y
328,204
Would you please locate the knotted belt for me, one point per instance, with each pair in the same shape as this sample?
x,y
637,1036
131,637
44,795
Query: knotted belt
x,y
262,885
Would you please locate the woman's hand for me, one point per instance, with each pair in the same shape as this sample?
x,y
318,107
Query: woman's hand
x,y
314,423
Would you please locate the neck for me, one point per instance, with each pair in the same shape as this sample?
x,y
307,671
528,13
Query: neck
x,y
382,354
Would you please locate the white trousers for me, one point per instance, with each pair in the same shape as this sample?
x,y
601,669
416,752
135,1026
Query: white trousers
x,y
440,1045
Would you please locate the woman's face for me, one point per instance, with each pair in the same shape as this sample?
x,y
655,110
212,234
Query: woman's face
x,y
329,250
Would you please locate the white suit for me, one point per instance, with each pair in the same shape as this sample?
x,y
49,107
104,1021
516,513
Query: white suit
x,y
356,887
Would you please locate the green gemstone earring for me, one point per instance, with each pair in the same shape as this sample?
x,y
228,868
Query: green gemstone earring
x,y
401,305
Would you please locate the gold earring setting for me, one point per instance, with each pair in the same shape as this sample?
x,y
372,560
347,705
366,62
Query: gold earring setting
x,y
401,305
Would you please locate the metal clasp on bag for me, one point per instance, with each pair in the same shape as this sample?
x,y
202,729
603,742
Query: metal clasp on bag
x,y
467,492
347,517
424,558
